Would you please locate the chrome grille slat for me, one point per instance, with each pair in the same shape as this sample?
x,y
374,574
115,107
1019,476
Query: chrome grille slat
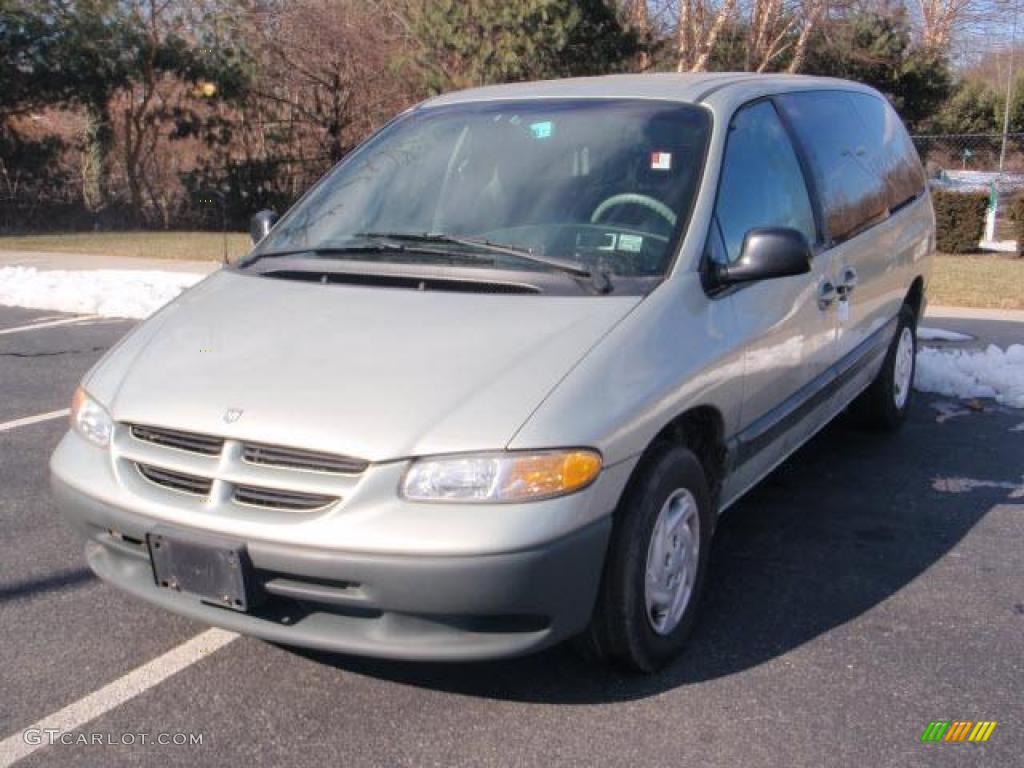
x,y
278,499
183,441
294,458
176,481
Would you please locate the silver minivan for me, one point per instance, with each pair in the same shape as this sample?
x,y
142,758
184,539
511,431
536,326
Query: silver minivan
x,y
489,384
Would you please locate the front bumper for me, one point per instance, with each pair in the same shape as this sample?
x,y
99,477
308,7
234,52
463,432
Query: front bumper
x,y
417,607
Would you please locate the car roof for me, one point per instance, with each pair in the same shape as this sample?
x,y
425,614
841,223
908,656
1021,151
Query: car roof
x,y
686,88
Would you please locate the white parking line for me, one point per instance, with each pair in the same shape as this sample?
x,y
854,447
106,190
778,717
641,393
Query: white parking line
x,y
24,422
108,697
50,324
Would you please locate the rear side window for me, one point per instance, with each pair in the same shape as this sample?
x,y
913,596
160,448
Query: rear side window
x,y
843,159
762,184
892,154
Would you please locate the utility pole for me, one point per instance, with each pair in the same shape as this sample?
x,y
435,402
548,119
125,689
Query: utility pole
x,y
1009,87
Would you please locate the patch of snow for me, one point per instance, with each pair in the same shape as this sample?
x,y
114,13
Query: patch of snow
x,y
924,333
992,372
104,292
1000,246
949,410
979,181
968,484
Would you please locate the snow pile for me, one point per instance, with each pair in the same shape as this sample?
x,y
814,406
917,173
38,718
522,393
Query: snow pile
x,y
104,292
991,372
924,333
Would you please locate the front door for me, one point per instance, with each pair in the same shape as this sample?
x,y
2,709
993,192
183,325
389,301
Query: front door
x,y
787,332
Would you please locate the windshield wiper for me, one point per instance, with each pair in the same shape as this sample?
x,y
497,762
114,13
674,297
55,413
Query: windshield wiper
x,y
599,280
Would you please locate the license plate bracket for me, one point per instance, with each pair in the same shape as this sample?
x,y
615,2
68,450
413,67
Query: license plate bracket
x,y
214,569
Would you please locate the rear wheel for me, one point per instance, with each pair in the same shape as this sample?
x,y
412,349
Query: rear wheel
x,y
884,404
654,571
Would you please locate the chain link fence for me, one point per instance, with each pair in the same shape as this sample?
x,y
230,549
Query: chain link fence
x,y
226,197
972,151
987,162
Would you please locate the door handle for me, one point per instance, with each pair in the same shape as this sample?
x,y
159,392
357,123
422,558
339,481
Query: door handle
x,y
826,294
846,287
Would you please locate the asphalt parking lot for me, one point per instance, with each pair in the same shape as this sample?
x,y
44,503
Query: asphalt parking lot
x,y
869,586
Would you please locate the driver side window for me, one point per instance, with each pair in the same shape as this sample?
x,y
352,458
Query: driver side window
x,y
761,184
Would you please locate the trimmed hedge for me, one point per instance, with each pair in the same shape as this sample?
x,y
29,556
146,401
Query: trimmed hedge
x,y
1017,217
959,219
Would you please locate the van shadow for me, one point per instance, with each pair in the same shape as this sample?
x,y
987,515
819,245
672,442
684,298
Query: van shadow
x,y
846,522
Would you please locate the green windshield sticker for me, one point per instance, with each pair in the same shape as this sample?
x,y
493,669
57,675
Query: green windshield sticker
x,y
631,243
542,130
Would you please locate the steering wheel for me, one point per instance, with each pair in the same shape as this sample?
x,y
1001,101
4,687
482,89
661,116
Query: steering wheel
x,y
632,198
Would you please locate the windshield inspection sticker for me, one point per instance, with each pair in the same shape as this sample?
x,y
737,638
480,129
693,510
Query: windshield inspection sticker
x,y
631,243
661,161
542,130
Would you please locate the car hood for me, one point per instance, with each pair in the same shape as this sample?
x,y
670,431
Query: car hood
x,y
374,373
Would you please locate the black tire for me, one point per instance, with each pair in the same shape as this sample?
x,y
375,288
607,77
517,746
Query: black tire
x,y
877,406
620,631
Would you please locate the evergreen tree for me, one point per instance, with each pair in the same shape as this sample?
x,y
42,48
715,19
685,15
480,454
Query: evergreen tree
x,y
464,43
973,108
876,47
59,53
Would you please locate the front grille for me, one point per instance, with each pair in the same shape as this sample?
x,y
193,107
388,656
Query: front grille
x,y
293,458
176,481
278,499
272,477
183,441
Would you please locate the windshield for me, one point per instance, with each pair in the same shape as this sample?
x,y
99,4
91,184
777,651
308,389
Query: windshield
x,y
601,184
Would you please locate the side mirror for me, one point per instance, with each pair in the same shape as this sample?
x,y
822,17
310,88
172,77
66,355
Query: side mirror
x,y
261,223
767,252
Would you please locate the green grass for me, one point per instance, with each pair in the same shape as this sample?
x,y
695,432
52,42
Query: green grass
x,y
202,246
993,280
982,280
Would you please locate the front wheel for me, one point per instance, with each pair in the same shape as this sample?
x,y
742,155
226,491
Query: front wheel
x,y
657,558
884,404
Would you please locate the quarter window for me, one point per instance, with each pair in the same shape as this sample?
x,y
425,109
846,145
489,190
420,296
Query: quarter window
x,y
892,155
762,184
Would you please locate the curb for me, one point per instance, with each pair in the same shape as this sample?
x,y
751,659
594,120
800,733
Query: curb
x,y
976,313
72,262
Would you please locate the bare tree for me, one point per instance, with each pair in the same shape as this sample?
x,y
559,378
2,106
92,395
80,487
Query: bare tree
x,y
941,19
144,109
636,14
773,30
778,27
325,69
812,14
699,26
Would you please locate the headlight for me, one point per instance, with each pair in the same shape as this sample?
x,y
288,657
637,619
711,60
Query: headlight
x,y
90,419
500,477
